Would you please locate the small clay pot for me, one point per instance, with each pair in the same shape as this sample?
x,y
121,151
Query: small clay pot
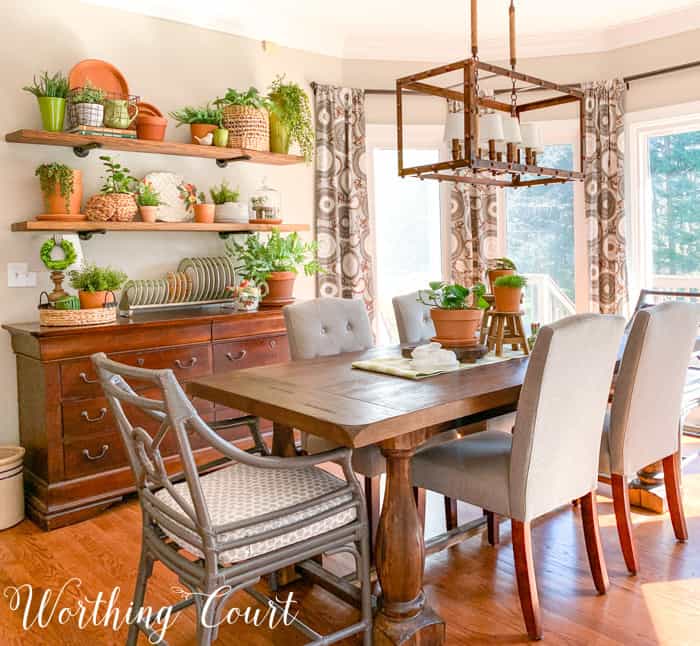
x,y
204,213
280,287
200,130
497,273
93,300
456,326
507,298
148,213
151,127
55,203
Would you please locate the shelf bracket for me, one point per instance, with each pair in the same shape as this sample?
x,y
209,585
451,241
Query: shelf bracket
x,y
222,163
84,151
87,235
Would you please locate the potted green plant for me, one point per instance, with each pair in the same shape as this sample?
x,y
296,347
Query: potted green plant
x,y
507,291
86,106
51,93
228,208
62,188
221,136
499,267
456,316
148,200
245,116
95,284
116,200
290,118
203,212
273,264
202,121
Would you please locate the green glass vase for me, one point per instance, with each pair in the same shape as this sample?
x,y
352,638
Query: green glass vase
x,y
53,110
279,135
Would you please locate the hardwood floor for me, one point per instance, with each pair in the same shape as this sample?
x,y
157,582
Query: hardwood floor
x,y
472,585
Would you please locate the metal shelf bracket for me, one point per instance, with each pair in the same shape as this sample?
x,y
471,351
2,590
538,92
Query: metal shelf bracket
x,y
222,163
87,235
84,151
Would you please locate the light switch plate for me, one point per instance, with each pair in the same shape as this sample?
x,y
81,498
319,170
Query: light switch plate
x,y
18,275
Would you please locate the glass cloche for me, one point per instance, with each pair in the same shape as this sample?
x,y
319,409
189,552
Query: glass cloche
x,y
265,203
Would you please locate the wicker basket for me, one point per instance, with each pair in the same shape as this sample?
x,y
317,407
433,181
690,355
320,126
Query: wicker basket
x,y
247,127
118,207
68,318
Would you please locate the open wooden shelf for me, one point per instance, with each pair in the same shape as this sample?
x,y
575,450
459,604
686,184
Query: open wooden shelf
x,y
86,229
82,144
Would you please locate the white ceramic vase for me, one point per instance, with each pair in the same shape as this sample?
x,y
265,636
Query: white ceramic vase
x,y
231,212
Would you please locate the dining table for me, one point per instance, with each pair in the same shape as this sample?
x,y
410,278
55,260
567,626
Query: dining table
x,y
329,398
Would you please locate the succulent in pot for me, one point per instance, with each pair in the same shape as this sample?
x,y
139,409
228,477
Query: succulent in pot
x,y
116,200
202,121
62,188
203,212
96,285
507,291
245,116
499,267
456,311
290,118
228,208
51,93
148,200
86,106
273,264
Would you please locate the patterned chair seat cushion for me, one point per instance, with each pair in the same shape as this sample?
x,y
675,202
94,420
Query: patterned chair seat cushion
x,y
242,492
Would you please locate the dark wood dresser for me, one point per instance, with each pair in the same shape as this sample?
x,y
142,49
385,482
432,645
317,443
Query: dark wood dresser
x,y
75,465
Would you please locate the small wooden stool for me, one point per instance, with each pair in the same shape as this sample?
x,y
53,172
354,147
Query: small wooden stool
x,y
505,328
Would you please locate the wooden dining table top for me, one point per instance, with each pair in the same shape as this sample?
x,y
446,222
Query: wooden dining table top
x,y
354,408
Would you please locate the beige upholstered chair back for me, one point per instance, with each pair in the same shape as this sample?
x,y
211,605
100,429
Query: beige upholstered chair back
x,y
645,414
327,326
412,319
559,423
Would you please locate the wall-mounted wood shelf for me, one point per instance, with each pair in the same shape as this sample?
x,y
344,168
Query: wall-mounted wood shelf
x,y
82,144
87,229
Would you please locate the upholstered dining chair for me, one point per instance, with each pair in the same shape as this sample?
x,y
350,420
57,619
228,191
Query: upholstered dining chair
x,y
644,422
239,519
550,458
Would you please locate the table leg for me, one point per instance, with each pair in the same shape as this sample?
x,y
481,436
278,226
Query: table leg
x,y
404,617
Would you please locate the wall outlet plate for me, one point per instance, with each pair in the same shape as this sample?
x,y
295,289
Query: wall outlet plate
x,y
18,275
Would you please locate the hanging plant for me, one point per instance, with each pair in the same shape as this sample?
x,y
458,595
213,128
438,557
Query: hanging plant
x,y
290,104
58,264
51,174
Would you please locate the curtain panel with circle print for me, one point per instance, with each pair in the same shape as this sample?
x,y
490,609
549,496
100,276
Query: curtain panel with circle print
x,y
604,191
342,213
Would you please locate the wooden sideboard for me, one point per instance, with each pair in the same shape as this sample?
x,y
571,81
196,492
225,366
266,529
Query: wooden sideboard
x,y
75,464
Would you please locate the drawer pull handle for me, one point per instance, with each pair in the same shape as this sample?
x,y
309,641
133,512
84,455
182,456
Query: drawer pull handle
x,y
99,456
86,416
272,343
140,361
238,357
188,364
84,378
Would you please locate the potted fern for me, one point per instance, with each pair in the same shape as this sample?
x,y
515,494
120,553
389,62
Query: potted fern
x,y
499,267
227,207
290,118
95,284
273,265
245,116
116,200
86,106
456,311
507,291
202,121
148,200
51,93
62,188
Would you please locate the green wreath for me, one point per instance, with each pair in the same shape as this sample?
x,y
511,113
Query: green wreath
x,y
60,264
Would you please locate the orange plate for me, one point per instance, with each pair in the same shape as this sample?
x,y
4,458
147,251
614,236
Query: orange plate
x,y
100,73
148,109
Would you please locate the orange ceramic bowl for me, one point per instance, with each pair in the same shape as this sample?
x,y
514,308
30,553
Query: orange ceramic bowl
x,y
151,127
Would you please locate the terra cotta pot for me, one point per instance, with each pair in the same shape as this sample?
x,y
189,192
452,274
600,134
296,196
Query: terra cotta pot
x,y
201,130
93,300
148,213
55,203
151,127
280,287
204,213
456,327
497,273
507,298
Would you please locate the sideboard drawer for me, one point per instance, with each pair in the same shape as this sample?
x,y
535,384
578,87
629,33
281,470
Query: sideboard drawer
x,y
233,355
78,378
87,455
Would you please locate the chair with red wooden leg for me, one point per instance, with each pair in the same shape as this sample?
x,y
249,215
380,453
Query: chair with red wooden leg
x,y
643,425
550,458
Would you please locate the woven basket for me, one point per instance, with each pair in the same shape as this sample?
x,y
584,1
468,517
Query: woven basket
x,y
118,207
247,127
67,318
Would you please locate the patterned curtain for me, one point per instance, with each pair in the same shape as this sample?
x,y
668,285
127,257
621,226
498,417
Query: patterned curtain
x,y
473,232
604,188
342,213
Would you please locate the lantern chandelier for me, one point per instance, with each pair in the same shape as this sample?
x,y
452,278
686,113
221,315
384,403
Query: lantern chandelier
x,y
489,145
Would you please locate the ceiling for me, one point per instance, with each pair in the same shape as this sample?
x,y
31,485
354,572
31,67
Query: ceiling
x,y
430,31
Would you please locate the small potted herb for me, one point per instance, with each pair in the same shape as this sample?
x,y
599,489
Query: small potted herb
x,y
245,116
273,264
94,284
290,118
202,121
228,208
507,291
499,267
456,316
203,212
62,188
148,200
86,106
116,200
51,93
